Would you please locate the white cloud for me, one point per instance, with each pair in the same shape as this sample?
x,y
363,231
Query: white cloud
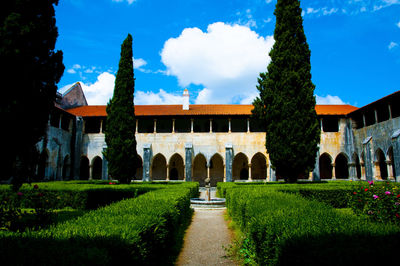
x,y
138,63
392,45
76,66
129,1
71,71
162,97
268,1
398,24
328,99
226,60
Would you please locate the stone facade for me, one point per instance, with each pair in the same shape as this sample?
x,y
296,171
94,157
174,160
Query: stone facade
x,y
349,149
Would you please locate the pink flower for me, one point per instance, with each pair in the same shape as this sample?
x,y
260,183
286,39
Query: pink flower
x,y
370,183
388,192
376,197
20,193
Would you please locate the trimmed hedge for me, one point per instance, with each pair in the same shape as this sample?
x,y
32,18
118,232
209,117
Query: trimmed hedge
x,y
142,231
81,195
285,229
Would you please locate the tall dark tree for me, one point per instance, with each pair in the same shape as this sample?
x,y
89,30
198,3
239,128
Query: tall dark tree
x,y
30,68
286,102
121,151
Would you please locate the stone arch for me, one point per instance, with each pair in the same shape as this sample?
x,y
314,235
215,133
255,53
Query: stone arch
x,y
84,168
240,167
66,171
341,166
176,169
43,164
139,168
380,165
216,169
325,166
159,167
391,159
199,169
97,168
357,165
258,166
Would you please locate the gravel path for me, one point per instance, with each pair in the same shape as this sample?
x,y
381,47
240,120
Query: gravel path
x,y
205,238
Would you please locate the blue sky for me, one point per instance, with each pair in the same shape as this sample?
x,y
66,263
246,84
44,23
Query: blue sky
x,y
217,48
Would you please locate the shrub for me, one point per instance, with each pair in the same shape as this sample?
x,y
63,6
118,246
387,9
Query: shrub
x,y
379,201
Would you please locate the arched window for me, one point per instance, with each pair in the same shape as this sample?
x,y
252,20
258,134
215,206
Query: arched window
x,y
176,171
325,166
258,166
341,167
84,168
216,169
97,167
380,165
240,167
159,168
200,169
356,160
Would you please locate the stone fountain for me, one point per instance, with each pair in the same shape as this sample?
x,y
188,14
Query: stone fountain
x,y
207,201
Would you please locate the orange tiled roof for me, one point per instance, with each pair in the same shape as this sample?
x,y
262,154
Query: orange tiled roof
x,y
199,109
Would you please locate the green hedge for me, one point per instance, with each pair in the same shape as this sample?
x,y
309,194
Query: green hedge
x,y
141,231
285,229
83,195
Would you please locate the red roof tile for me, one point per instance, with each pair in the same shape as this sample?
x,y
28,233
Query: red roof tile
x,y
199,109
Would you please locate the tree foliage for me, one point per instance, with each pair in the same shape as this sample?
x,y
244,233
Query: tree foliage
x,y
286,102
30,70
121,151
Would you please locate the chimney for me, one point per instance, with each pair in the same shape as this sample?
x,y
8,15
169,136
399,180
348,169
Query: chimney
x,y
185,105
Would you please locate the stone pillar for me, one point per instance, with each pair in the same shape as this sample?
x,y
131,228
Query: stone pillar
x,y
84,127
137,126
390,111
184,173
211,125
321,125
147,155
396,154
76,154
272,175
59,120
368,159
191,125
248,125
173,125
377,170
224,172
250,179
188,160
208,170
101,126
90,171
352,171
228,160
167,179
229,125
362,166
155,126
333,171
104,170
390,170
70,126
376,116
364,120
315,173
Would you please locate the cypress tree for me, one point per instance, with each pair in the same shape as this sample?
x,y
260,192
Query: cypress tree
x,y
286,102
121,151
30,71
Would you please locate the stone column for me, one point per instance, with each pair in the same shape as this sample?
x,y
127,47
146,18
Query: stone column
x,y
104,174
376,116
362,166
352,171
208,170
76,154
272,175
390,170
167,173
137,126
224,173
229,125
250,179
90,171
390,111
248,125
396,153
147,154
184,173
101,126
315,173
368,159
211,125
173,125
333,171
377,170
59,120
228,161
364,120
155,126
188,160
191,125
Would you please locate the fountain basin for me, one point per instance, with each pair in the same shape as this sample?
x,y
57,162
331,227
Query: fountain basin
x,y
213,203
